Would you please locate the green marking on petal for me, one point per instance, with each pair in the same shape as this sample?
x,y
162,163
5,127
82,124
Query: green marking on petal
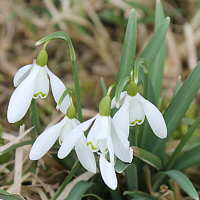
x,y
92,147
39,93
61,142
136,121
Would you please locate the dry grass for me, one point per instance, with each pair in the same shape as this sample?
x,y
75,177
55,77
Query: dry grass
x,y
98,45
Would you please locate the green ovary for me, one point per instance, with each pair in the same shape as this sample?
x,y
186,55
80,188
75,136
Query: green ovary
x,y
92,147
42,94
139,121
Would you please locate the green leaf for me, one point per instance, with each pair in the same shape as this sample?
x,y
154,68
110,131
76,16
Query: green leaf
x,y
20,144
188,159
177,109
78,190
121,166
147,157
137,195
180,146
6,196
183,182
151,50
103,86
129,48
157,68
132,177
177,87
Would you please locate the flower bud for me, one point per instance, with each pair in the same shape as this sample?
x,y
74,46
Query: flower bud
x,y
42,58
105,106
71,112
132,88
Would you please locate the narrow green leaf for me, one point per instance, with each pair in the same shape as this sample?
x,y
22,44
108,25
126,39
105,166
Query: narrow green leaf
x,y
20,144
121,166
188,159
177,87
183,182
177,109
184,140
103,86
147,157
6,196
137,195
157,68
151,50
78,190
132,177
129,48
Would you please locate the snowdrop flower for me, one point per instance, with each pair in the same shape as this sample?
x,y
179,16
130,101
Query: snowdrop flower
x,y
47,139
104,137
31,82
134,109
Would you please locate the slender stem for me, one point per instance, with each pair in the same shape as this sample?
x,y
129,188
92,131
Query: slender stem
x,y
77,91
35,116
66,181
146,86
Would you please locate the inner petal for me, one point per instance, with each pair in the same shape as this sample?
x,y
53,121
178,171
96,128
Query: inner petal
x,y
136,113
41,84
103,146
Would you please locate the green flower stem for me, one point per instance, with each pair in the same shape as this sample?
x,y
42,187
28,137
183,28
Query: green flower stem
x,y
178,149
66,181
61,35
77,91
35,117
146,86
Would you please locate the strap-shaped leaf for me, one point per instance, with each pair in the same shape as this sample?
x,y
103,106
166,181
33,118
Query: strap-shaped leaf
x,y
137,195
188,159
78,190
157,68
184,182
129,48
147,157
6,196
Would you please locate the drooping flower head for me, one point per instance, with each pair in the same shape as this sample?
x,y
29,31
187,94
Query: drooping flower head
x,y
134,109
31,82
103,137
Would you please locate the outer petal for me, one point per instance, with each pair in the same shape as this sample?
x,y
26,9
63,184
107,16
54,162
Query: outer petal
x,y
46,140
84,154
121,117
71,139
21,74
108,172
21,98
121,145
154,118
136,115
41,83
122,96
58,88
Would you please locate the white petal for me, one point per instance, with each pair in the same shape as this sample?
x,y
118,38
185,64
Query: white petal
x,y
122,96
85,156
121,117
65,130
71,139
110,148
58,89
154,117
136,113
21,74
21,98
108,172
41,83
102,126
121,146
45,141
